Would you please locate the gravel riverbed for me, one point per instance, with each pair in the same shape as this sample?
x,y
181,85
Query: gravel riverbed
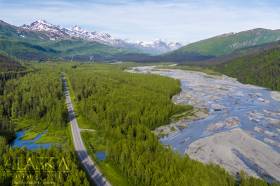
x,y
241,130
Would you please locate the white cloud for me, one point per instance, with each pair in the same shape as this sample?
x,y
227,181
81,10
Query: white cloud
x,y
171,20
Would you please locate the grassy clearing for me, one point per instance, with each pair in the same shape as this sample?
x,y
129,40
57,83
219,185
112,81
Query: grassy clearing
x,y
111,173
34,128
58,136
30,135
83,123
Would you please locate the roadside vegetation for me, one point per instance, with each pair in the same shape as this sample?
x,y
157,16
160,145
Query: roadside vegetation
x,y
34,101
123,108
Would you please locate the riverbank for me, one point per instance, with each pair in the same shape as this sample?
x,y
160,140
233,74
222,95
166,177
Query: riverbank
x,y
182,123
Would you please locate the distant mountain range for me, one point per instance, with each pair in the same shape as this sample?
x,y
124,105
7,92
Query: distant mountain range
x,y
54,32
42,40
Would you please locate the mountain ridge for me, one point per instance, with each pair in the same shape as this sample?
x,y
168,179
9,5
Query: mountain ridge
x,y
56,32
226,43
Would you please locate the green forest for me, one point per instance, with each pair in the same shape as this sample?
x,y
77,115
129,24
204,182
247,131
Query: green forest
x,y
123,108
34,101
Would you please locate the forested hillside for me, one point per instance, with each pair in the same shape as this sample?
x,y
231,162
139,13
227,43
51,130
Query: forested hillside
x,y
262,68
123,108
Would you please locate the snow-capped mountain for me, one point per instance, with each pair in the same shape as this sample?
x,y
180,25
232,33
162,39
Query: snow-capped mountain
x,y
160,45
55,32
52,31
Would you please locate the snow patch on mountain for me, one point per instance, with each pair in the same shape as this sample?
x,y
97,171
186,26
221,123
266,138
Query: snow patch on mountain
x,y
55,32
159,44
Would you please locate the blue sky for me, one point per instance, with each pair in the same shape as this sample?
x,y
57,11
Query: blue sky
x,y
171,20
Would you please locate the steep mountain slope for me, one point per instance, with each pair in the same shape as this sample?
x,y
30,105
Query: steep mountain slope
x,y
227,43
260,68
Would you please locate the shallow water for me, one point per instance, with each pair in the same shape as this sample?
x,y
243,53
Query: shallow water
x,y
100,155
230,104
29,144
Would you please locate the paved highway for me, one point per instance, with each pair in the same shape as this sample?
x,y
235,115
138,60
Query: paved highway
x,y
93,172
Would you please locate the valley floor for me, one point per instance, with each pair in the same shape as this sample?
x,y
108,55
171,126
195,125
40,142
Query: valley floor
x,y
242,131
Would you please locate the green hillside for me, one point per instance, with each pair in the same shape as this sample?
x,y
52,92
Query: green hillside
x,y
252,50
262,68
227,43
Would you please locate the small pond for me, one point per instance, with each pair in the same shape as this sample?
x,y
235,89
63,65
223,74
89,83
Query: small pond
x,y
29,144
100,155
